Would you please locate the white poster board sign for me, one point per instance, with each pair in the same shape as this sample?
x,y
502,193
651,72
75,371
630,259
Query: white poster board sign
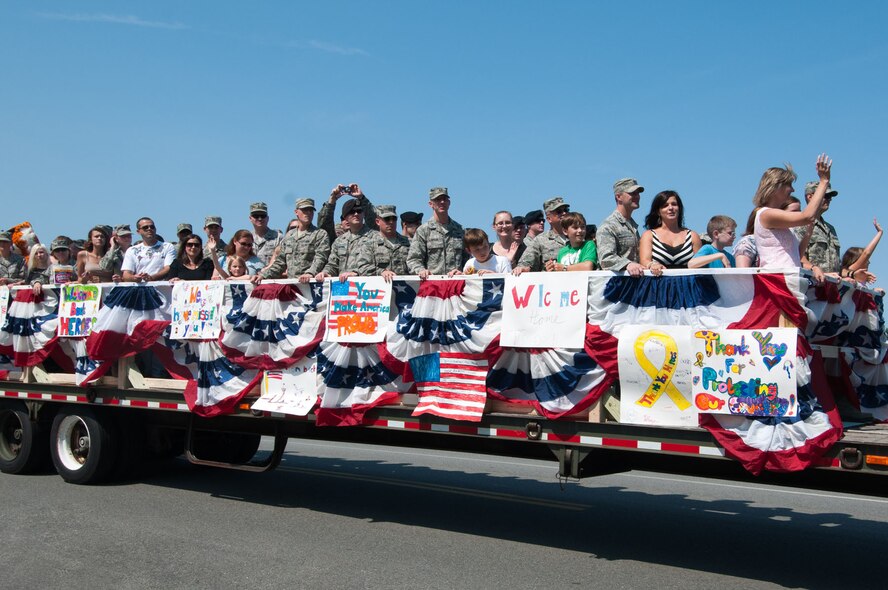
x,y
78,308
196,309
655,375
746,372
358,310
290,391
4,303
545,310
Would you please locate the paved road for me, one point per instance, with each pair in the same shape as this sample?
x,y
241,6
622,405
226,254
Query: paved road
x,y
339,515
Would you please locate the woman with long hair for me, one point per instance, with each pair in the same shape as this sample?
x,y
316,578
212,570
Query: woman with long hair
x,y
241,244
88,259
190,264
667,243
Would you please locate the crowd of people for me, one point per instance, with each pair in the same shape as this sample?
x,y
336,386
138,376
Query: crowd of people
x,y
781,232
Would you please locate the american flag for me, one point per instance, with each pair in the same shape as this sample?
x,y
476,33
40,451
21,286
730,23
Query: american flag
x,y
451,385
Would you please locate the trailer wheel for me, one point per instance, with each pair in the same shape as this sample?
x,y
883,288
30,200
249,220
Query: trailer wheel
x,y
24,445
82,445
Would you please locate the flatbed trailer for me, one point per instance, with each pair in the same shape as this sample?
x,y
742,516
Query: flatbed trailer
x,y
95,431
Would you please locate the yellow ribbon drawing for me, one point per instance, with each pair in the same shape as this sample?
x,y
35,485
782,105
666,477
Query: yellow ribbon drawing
x,y
662,378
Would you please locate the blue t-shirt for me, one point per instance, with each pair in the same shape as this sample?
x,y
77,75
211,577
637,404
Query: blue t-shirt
x,y
707,249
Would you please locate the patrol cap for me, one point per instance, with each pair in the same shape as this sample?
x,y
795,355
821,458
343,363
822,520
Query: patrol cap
x,y
810,187
78,243
58,244
411,217
305,204
183,227
123,230
5,237
517,220
258,207
532,217
627,185
384,211
554,203
212,220
350,206
438,191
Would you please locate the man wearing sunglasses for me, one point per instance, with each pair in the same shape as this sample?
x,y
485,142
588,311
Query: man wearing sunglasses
x,y
346,249
303,252
823,247
543,249
150,259
265,240
326,214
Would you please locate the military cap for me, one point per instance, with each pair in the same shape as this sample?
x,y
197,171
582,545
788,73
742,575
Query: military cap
x,y
810,187
411,217
438,191
123,230
58,244
627,185
518,220
258,207
349,207
212,220
384,211
79,243
305,204
183,227
5,237
534,216
554,203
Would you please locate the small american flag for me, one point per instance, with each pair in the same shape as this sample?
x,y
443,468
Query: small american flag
x,y
451,385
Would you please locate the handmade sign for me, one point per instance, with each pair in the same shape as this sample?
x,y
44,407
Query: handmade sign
x,y
4,303
545,310
290,391
61,274
655,375
746,372
196,308
78,308
358,310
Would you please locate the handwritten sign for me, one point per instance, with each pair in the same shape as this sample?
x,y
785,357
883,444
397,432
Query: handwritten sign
x,y
196,308
78,308
746,372
358,310
61,274
655,375
290,391
545,310
4,303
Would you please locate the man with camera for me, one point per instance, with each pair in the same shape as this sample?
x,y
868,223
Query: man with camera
x,y
325,217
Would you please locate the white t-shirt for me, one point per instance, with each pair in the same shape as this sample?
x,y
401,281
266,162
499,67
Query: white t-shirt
x,y
495,263
141,258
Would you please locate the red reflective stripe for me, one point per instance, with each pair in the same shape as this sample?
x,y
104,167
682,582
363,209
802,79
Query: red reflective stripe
x,y
619,442
677,448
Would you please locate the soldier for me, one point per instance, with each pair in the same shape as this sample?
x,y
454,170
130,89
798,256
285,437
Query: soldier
x,y
344,252
325,217
384,252
213,229
618,234
12,264
543,250
536,224
303,252
183,230
410,221
265,240
112,261
823,245
437,248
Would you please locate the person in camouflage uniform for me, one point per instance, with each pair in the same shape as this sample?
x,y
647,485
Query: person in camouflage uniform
x,y
410,222
437,248
344,252
536,224
384,253
112,261
12,264
303,252
325,217
265,239
617,237
543,249
213,229
823,246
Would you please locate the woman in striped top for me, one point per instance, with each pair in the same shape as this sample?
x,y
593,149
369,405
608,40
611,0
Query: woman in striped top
x,y
667,243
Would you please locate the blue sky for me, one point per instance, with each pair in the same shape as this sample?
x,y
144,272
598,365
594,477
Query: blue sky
x,y
177,110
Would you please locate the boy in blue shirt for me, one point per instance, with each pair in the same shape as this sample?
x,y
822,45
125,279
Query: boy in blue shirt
x,y
722,230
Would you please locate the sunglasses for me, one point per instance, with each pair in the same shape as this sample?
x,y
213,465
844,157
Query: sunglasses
x,y
147,228
192,245
258,215
245,244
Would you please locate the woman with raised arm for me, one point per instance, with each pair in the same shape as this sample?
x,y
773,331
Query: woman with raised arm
x,y
667,243
855,261
506,245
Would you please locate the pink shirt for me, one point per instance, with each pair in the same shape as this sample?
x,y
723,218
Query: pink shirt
x,y
777,248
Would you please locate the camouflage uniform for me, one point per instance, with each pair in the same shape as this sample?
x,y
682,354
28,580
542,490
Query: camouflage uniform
x,y
325,216
112,261
617,242
437,248
264,247
542,248
345,251
220,249
301,252
379,253
823,247
12,268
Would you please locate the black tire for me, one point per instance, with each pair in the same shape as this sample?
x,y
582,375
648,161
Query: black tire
x,y
82,445
24,445
227,447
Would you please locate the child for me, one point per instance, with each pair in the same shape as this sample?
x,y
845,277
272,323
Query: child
x,y
236,268
855,261
483,260
722,230
578,253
